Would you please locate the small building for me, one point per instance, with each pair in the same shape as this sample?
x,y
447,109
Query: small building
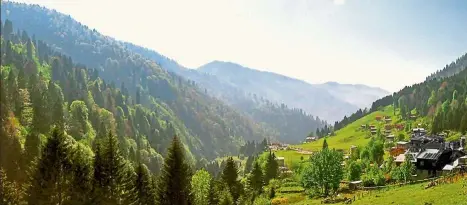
x,y
354,185
310,139
280,161
388,119
390,138
400,127
399,159
378,118
402,145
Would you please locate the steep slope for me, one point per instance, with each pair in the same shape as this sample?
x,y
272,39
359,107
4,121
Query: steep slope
x,y
441,102
360,95
278,88
451,69
213,128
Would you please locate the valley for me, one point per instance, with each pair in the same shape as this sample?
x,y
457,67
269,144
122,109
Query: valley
x,y
89,119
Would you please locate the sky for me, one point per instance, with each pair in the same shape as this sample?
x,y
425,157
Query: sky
x,y
383,43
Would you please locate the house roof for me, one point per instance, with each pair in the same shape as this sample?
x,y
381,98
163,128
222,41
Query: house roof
x,y
429,154
400,158
402,142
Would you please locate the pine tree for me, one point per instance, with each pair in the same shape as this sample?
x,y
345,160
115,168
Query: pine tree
x,y
272,168
29,48
255,180
174,185
50,183
230,178
325,144
145,192
112,177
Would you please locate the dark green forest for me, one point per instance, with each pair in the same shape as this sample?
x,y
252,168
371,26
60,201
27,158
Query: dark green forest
x,y
208,127
69,137
159,77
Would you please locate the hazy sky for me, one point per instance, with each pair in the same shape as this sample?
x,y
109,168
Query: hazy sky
x,y
385,43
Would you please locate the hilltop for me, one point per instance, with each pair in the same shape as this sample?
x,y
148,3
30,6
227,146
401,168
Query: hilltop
x,y
328,101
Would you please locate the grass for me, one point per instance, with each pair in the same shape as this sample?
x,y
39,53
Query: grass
x,y
352,134
291,157
415,194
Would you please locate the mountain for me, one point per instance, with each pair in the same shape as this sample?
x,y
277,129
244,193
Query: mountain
x,y
451,69
207,126
120,62
330,101
360,95
441,101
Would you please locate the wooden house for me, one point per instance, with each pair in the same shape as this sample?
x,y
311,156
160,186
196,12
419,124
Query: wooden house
x,y
390,138
280,161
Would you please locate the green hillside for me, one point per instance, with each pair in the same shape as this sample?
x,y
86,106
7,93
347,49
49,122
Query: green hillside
x,y
416,194
353,134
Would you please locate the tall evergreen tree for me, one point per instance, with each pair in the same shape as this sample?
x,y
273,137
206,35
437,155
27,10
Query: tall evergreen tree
x,y
230,178
51,180
112,177
271,169
174,185
255,180
145,191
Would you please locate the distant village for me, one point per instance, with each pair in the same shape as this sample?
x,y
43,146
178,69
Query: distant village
x,y
432,155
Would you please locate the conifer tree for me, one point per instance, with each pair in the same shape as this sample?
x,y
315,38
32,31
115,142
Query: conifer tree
x,y
230,178
174,187
112,178
50,183
145,191
255,180
272,168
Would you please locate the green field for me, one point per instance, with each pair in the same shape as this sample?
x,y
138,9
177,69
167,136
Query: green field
x,y
445,194
352,134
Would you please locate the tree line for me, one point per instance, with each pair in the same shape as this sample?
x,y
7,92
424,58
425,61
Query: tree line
x,y
202,121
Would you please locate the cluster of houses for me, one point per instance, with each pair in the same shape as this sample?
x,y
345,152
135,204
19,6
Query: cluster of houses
x,y
432,154
278,146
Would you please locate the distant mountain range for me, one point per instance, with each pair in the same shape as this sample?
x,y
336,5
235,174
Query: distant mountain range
x,y
330,101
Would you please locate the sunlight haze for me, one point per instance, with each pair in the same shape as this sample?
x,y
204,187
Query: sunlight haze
x,y
346,41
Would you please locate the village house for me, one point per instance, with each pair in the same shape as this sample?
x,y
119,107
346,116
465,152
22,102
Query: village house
x,y
432,153
310,139
402,145
387,119
459,165
390,138
280,161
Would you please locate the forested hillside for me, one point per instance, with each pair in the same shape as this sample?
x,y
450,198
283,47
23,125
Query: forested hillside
x,y
121,62
451,69
209,127
442,98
